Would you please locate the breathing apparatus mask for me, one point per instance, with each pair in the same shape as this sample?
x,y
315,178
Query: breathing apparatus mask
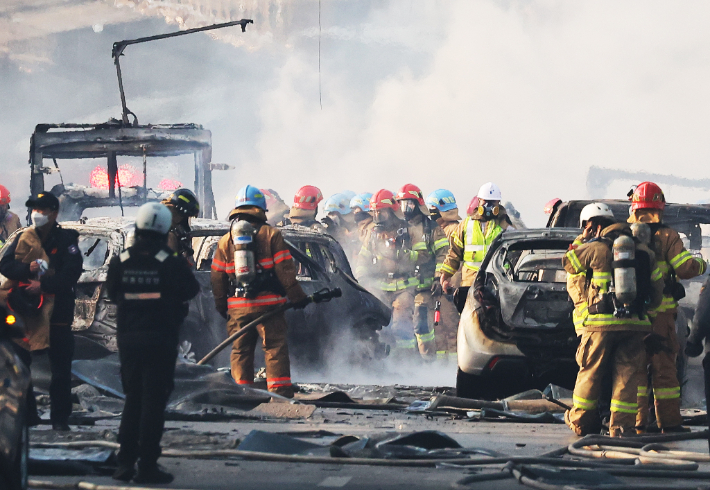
x,y
488,210
360,215
3,211
409,208
39,219
382,216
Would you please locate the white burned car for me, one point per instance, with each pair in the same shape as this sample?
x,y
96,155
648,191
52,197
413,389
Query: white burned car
x,y
356,317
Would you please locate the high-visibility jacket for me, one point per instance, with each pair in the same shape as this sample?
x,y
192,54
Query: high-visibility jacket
x,y
594,259
673,257
469,245
450,227
428,238
271,254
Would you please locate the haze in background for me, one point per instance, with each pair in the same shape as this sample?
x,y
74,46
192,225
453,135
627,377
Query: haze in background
x,y
449,94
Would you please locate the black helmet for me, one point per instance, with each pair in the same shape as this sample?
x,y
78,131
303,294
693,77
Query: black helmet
x,y
185,201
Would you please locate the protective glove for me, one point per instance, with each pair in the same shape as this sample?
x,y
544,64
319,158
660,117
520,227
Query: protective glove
x,y
693,349
436,288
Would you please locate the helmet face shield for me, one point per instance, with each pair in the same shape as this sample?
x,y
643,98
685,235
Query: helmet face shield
x,y
409,208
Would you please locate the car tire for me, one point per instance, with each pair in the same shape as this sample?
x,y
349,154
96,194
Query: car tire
x,y
472,386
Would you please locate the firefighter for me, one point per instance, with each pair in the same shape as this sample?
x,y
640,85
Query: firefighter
x,y
340,224
273,282
9,221
305,208
151,285
276,208
612,340
360,206
62,249
388,263
183,205
443,208
675,262
576,281
699,331
469,243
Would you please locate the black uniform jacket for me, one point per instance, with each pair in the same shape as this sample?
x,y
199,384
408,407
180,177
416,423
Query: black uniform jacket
x,y
701,323
151,285
65,258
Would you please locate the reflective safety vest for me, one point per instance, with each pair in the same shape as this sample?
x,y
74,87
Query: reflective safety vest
x,y
476,243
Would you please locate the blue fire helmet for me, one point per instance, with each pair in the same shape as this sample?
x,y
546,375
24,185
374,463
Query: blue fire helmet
x,y
442,200
337,203
361,201
250,196
349,194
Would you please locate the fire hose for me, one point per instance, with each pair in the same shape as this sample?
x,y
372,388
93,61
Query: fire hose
x,y
321,296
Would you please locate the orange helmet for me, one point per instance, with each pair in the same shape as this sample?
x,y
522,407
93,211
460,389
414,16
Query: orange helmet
x,y
411,191
383,199
647,195
4,195
307,198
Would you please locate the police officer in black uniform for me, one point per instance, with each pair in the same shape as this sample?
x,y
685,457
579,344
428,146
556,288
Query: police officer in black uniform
x,y
62,248
151,285
700,331
183,205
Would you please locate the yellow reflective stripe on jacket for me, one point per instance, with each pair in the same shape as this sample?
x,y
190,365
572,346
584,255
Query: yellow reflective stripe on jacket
x,y
680,259
574,261
668,303
643,391
624,407
441,243
448,269
583,403
419,246
457,242
602,280
656,275
427,337
602,319
413,255
397,284
579,314
476,242
666,393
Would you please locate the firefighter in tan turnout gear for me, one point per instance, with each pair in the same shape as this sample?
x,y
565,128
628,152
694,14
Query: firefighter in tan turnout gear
x,y
675,262
252,273
388,263
443,208
469,243
616,322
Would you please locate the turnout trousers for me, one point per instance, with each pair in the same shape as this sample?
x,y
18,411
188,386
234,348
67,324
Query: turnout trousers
x,y
447,330
273,333
620,354
147,373
410,324
663,376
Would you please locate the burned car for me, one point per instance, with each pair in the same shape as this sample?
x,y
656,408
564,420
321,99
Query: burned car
x,y
321,263
516,329
691,221
15,376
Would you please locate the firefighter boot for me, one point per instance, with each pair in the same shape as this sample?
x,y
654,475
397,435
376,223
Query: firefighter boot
x,y
424,335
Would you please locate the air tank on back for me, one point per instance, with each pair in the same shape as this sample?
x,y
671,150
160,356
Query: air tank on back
x,y
624,250
242,234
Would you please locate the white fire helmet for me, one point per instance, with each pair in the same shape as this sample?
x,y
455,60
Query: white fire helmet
x,y
153,216
489,192
594,210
